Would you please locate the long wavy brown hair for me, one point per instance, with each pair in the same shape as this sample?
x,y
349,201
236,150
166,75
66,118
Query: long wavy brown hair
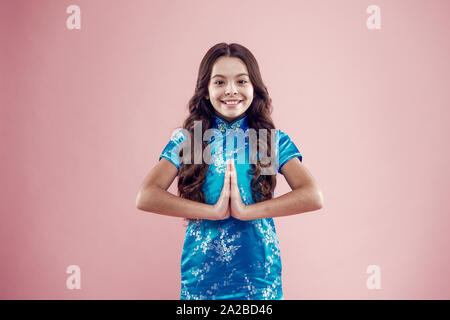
x,y
191,176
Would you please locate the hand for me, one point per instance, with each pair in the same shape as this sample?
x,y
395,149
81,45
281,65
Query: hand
x,y
238,208
222,210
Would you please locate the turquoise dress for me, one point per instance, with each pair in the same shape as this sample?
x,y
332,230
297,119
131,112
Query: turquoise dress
x,y
231,258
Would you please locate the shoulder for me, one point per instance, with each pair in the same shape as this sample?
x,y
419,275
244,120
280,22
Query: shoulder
x,y
179,135
282,137
286,149
177,141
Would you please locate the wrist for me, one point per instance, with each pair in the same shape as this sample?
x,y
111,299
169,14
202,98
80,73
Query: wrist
x,y
215,212
247,213
211,212
253,211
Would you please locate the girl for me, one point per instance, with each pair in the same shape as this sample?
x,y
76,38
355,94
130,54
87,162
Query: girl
x,y
231,250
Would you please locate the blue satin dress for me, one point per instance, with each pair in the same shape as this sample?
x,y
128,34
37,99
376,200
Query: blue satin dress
x,y
230,258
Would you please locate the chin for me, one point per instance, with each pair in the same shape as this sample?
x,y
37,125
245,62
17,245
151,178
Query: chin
x,y
232,113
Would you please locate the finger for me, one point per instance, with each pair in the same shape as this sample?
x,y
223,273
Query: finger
x,y
227,173
233,173
227,181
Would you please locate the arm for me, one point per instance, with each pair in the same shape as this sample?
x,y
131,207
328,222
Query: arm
x,y
305,195
153,197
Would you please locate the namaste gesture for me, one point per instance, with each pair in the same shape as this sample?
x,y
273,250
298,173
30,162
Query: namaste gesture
x,y
230,201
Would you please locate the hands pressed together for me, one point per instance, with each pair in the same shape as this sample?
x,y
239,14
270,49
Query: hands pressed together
x,y
230,202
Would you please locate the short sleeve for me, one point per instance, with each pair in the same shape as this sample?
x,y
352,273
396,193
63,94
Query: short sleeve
x,y
286,149
172,149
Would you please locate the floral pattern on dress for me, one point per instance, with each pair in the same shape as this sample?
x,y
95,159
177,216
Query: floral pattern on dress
x,y
231,258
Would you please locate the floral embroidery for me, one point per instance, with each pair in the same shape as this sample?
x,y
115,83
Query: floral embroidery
x,y
223,125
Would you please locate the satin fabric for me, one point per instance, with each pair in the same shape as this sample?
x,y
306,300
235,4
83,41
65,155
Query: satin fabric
x,y
231,259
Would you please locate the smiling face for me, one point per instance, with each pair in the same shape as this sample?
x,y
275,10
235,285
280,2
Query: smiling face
x,y
230,83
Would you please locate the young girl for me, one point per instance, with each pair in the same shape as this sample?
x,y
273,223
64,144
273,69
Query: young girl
x,y
231,250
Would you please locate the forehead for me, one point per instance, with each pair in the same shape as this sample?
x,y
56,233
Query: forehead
x,y
228,66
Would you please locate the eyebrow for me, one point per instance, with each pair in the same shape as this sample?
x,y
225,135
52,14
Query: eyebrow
x,y
240,74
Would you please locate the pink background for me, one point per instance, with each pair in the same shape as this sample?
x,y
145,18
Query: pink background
x,y
86,113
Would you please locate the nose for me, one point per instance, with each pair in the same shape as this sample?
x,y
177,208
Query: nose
x,y
230,89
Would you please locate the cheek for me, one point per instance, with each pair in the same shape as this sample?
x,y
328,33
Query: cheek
x,y
249,91
249,95
216,94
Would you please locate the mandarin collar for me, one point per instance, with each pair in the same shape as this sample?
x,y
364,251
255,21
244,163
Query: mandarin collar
x,y
223,124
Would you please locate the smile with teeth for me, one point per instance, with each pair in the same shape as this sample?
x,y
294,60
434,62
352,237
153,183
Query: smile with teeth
x,y
234,102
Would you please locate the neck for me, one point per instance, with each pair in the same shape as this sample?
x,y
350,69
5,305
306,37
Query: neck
x,y
229,119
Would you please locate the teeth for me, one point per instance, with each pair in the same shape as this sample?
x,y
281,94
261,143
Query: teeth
x,y
231,102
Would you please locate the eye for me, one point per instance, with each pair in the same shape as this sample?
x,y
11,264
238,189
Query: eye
x,y
241,81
